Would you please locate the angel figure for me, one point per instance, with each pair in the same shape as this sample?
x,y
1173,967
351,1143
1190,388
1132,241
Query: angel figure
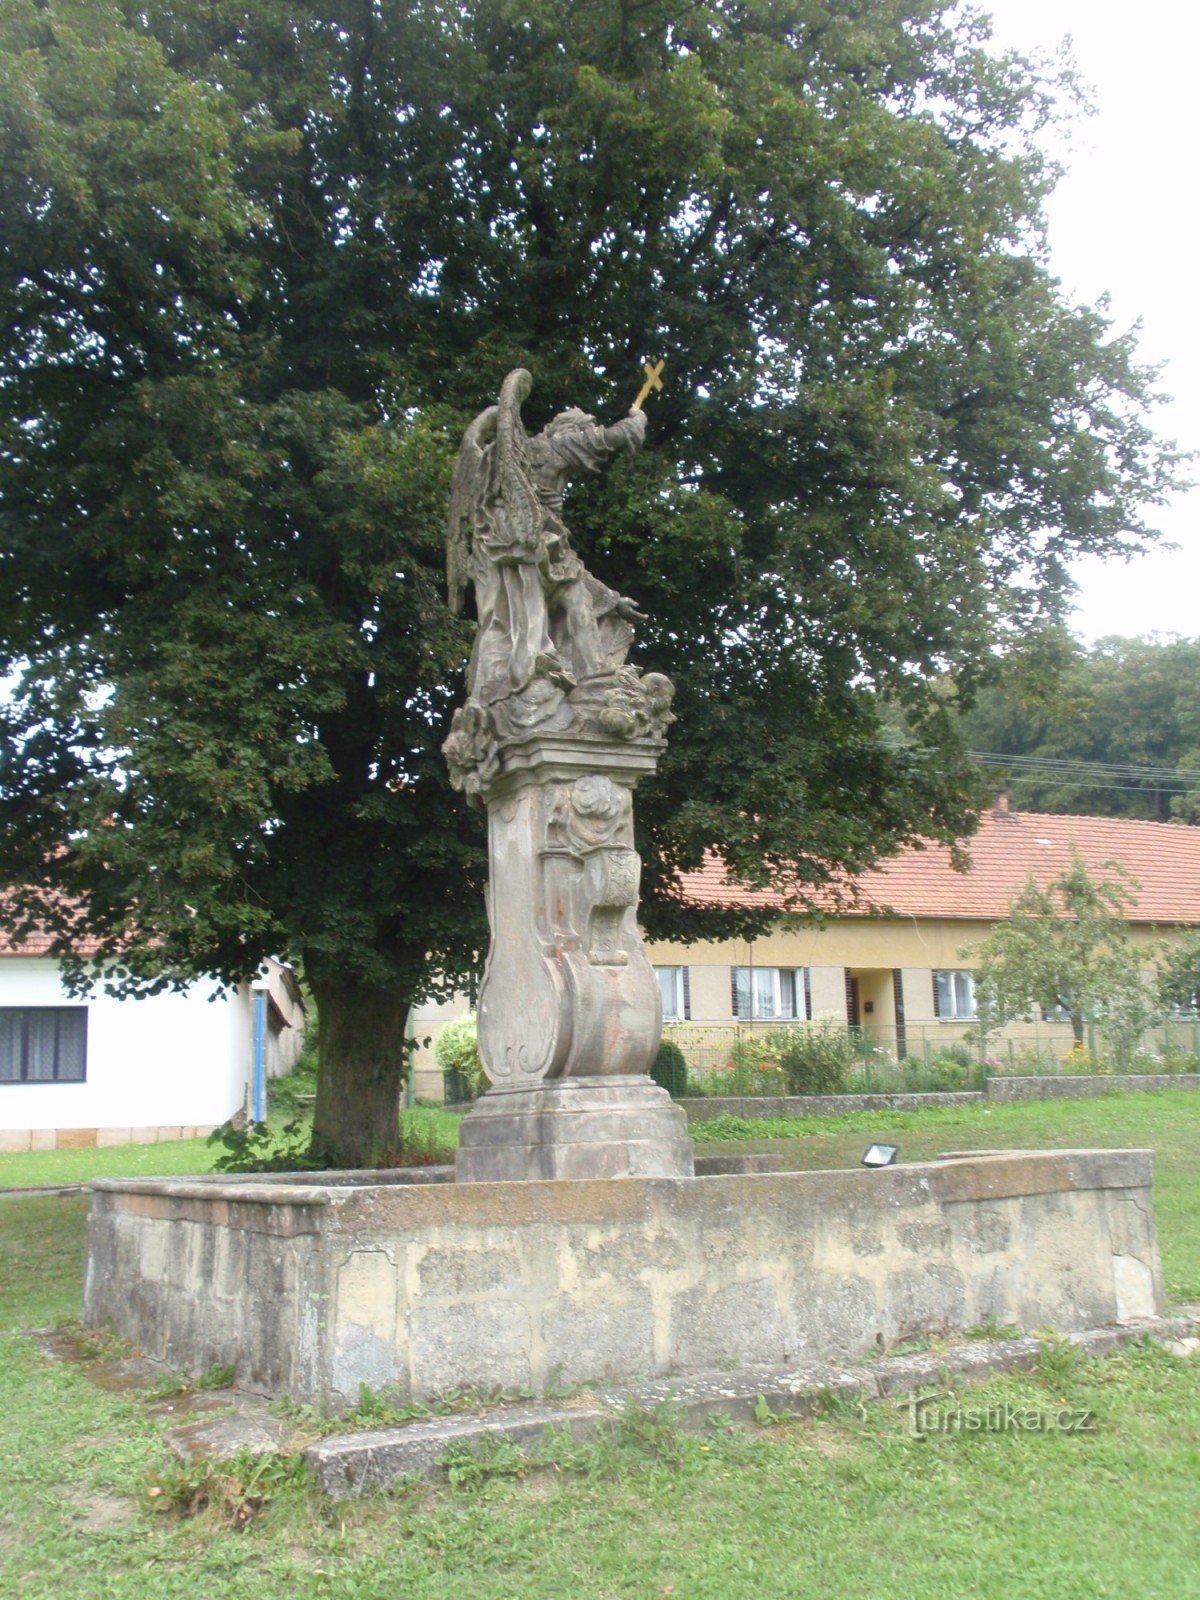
x,y
546,624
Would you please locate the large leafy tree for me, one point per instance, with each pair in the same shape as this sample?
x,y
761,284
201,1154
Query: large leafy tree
x,y
262,262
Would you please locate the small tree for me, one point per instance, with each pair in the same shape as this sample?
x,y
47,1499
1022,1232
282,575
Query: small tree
x,y
1067,948
1179,976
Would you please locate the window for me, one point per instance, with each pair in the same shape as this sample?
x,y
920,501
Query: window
x,y
771,992
954,996
43,1044
676,996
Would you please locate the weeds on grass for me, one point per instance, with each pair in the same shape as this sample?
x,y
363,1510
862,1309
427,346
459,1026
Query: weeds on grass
x,y
840,1404
234,1491
1058,1361
651,1430
469,1466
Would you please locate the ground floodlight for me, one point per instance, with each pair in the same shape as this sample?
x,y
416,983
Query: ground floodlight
x,y
881,1155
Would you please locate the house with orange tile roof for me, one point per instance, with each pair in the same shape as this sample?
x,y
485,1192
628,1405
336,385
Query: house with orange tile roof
x,y
892,956
84,1070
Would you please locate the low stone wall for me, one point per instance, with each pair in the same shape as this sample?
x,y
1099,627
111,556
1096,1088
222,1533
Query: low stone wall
x,y
1079,1087
700,1108
313,1288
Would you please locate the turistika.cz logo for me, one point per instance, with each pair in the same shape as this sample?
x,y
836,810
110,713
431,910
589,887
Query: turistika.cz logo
x,y
941,1413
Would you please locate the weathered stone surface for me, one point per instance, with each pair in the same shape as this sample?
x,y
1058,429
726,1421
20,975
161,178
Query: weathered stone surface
x,y
575,1128
425,1288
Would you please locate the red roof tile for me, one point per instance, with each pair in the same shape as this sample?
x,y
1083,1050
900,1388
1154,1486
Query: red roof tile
x,y
1163,857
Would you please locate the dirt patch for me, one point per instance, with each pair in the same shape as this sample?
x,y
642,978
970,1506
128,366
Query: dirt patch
x,y
101,1513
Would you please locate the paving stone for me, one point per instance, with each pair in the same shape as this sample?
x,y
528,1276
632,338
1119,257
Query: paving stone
x,y
251,1427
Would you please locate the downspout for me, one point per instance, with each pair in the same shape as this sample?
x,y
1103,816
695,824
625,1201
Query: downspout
x,y
259,1090
410,1098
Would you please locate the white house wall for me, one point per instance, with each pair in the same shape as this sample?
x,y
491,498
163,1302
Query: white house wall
x,y
160,1067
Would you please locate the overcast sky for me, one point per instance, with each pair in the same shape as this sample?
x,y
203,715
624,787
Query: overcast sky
x,y
1124,221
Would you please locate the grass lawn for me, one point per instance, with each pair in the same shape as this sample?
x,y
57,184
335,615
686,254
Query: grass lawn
x,y
28,1169
841,1507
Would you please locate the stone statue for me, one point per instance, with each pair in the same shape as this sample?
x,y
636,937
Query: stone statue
x,y
552,640
556,731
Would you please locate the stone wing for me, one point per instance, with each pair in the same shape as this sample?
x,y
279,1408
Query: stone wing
x,y
468,488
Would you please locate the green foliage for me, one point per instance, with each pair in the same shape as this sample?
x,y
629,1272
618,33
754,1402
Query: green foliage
x,y
260,1148
250,304
1133,703
815,1058
669,1069
456,1051
946,1072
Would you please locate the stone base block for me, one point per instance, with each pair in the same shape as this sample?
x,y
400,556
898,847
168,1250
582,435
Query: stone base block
x,y
619,1127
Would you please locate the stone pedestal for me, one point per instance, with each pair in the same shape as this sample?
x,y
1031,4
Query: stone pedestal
x,y
570,1014
600,1127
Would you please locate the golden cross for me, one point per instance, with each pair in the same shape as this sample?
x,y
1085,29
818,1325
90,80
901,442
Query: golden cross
x,y
653,381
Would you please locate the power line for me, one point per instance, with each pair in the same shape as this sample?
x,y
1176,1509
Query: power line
x,y
1117,774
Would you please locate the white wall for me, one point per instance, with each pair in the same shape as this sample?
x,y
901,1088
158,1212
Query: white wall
x,y
170,1060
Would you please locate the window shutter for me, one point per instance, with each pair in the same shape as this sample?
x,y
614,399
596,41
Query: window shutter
x,y
849,998
733,975
687,995
937,1001
807,995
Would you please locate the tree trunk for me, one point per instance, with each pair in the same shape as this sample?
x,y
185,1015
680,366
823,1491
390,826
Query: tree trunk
x,y
361,1063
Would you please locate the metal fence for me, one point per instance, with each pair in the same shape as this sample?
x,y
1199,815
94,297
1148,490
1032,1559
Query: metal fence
x,y
736,1058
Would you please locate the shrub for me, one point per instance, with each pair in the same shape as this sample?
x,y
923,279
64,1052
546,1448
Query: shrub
x,y
257,1148
754,1065
815,1058
456,1050
670,1069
